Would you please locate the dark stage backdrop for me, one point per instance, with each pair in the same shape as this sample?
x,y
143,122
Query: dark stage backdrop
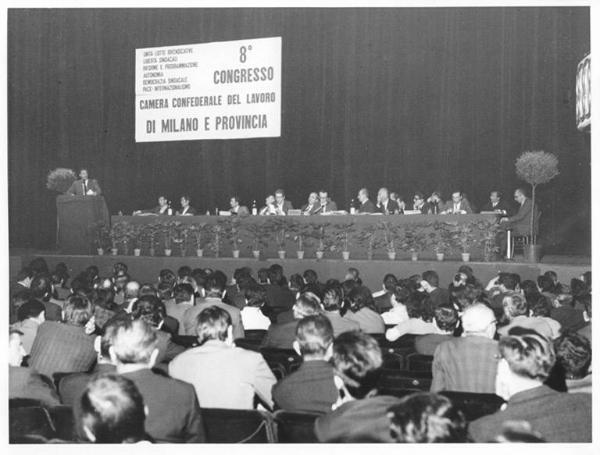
x,y
414,99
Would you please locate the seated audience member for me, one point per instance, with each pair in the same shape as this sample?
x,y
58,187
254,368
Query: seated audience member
x,y
59,277
384,204
173,410
23,281
359,415
151,310
445,321
30,315
468,363
41,289
546,287
311,205
236,209
517,314
557,287
366,206
25,382
183,300
360,308
430,284
112,411
104,306
186,208
296,284
252,315
383,298
525,364
574,356
497,204
279,299
282,334
420,319
498,288
66,346
16,300
311,388
332,304
425,418
353,274
459,205
586,330
570,318
214,288
325,204
223,375
131,292
397,314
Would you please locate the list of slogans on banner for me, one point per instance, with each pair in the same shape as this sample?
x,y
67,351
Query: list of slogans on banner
x,y
220,90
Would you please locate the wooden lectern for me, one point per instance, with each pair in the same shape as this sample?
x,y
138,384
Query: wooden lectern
x,y
75,215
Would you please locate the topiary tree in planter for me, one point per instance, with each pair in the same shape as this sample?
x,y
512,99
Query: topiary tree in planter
x,y
536,167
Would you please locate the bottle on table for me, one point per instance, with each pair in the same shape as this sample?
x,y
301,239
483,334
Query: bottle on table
x,y
254,208
169,209
352,207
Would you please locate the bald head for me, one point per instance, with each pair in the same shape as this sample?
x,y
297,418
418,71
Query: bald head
x,y
132,290
478,319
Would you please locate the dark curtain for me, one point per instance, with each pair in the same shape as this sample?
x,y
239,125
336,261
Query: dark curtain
x,y
410,98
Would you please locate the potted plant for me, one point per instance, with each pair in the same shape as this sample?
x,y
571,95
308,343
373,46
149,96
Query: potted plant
x,y
489,233
117,234
198,231
415,240
279,227
230,229
464,238
535,167
180,236
135,237
60,179
152,233
367,239
100,233
324,242
300,232
215,232
340,239
258,236
390,236
167,238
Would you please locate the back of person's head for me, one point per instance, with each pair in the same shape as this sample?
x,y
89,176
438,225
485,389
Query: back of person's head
x,y
514,304
353,274
507,280
147,289
419,308
41,287
432,278
479,319
30,309
255,295
357,361
427,417
183,292
104,298
148,308
109,330
574,354
578,287
77,310
213,323
244,281
25,273
214,286
240,272
587,279
120,268
183,271
446,318
467,270
360,297
263,276
131,290
296,282
528,354
275,273
307,304
112,410
545,283
540,305
314,335
164,291
39,266
134,342
199,275
167,276
529,288
310,276
313,288
390,282
401,294
332,298
348,286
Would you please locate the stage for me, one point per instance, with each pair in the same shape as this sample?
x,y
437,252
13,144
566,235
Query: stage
x,y
146,269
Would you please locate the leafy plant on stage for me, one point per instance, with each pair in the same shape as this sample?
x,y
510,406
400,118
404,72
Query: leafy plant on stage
x,y
415,238
320,232
199,233
279,229
150,234
100,234
231,232
340,236
215,233
463,235
301,234
258,234
167,234
180,234
118,234
489,232
60,179
439,237
134,236
392,235
367,238
536,167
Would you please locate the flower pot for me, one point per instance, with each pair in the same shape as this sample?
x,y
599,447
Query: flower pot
x,y
199,252
152,251
369,255
235,253
137,251
114,251
346,255
182,252
414,256
439,256
392,255
300,254
100,251
532,253
466,257
168,251
256,254
319,254
281,254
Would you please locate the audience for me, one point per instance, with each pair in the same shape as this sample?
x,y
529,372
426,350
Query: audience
x,y
332,304
383,298
30,315
420,319
252,314
360,309
574,357
445,321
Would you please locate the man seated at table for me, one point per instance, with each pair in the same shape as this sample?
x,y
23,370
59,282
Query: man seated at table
x,y
84,186
419,203
459,205
520,223
434,203
269,208
163,208
366,206
282,206
496,204
326,205
312,204
236,208
186,208
384,204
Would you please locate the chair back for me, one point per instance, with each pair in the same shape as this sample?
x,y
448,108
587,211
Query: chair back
x,y
57,377
64,423
419,362
281,361
474,405
29,421
295,427
234,426
394,382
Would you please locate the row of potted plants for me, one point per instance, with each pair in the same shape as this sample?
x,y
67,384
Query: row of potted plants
x,y
167,236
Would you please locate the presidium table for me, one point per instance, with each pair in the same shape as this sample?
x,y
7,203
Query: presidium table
x,y
360,236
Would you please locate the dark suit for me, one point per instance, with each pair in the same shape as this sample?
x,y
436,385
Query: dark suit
x,y
329,207
310,388
173,410
357,421
391,208
189,317
521,222
462,205
242,210
279,299
77,187
427,344
53,311
71,387
27,383
367,207
501,205
190,211
341,324
157,210
314,207
286,206
557,416
281,335
383,302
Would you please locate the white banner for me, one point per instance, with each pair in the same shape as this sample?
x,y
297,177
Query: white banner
x,y
221,90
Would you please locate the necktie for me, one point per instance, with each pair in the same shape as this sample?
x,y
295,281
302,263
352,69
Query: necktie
x,y
85,187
